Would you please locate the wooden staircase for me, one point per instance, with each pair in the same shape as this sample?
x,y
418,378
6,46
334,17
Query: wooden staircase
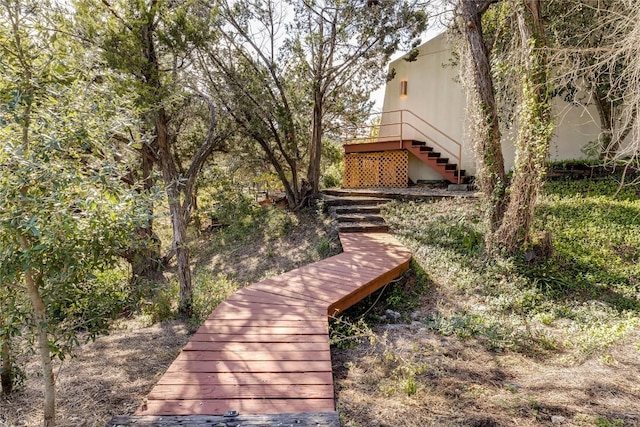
x,y
445,166
403,130
434,159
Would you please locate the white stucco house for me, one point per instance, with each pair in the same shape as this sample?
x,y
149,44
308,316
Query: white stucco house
x,y
424,128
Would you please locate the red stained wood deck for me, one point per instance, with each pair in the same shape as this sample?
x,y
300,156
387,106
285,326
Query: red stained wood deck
x,y
265,350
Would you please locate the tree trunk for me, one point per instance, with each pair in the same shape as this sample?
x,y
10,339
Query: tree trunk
x,y
148,262
185,304
180,242
40,320
143,253
170,174
6,370
6,374
534,136
603,106
315,150
144,257
491,176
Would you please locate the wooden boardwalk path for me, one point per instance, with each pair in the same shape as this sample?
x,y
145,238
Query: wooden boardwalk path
x,y
265,350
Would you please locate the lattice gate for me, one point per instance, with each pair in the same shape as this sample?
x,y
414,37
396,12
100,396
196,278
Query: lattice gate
x,y
386,169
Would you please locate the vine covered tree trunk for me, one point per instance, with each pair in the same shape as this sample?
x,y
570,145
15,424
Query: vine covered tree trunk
x,y
534,136
603,107
490,161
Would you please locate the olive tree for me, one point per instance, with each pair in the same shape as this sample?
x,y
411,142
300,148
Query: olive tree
x,y
64,214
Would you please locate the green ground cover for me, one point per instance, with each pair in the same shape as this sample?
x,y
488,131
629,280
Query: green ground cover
x,y
579,300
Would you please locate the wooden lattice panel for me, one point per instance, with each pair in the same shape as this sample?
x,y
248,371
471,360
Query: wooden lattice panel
x,y
386,169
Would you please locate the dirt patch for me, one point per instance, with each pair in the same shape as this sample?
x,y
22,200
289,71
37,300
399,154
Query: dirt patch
x,y
413,377
107,377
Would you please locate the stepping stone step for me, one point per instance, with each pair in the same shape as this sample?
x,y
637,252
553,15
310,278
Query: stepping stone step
x,y
362,227
353,200
359,218
362,209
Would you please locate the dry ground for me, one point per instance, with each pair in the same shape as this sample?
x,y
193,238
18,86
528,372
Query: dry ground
x,y
107,377
461,383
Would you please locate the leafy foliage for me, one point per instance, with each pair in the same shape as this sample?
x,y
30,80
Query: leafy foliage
x,y
65,214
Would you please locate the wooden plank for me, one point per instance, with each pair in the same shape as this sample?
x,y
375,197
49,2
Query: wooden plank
x,y
320,321
254,346
372,146
289,289
320,280
373,261
324,277
264,338
253,295
389,253
358,264
248,312
331,281
264,297
359,241
233,366
244,391
326,295
243,406
376,237
307,299
346,278
254,355
252,367
208,328
243,378
238,306
316,419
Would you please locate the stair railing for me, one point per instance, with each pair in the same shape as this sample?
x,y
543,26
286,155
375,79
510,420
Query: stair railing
x,y
381,130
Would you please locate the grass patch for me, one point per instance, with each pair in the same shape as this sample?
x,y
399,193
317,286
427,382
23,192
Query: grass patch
x,y
580,301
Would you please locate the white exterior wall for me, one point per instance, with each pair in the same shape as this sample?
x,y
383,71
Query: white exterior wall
x,y
434,94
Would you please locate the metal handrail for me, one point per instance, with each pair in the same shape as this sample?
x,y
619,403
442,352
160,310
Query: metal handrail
x,y
373,134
